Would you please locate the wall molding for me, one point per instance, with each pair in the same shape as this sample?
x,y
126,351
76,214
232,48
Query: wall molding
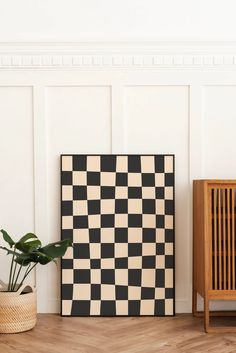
x,y
119,55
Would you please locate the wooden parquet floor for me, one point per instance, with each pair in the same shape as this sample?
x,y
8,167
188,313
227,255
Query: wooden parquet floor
x,y
182,333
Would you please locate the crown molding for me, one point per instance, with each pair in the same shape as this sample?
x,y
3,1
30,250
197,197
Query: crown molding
x,y
118,55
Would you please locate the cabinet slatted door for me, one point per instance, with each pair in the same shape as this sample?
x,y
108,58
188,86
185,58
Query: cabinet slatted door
x,y
214,217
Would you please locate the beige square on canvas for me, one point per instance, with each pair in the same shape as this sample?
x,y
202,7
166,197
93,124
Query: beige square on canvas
x,y
122,164
159,179
81,236
66,307
169,277
107,263
67,193
159,293
121,192
134,179
147,307
108,292
81,264
122,307
107,206
169,307
169,248
95,276
160,235
94,192
95,250
149,221
82,291
80,208
108,179
147,164
107,235
135,262
149,249
169,193
134,293
160,207
169,222
135,206
160,261
148,192
67,276
121,277
67,163
121,249
79,178
69,254
121,220
95,307
169,164
135,235
67,222
94,221
93,163
148,277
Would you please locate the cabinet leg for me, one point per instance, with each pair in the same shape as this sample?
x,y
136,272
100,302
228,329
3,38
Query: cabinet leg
x,y
206,314
194,302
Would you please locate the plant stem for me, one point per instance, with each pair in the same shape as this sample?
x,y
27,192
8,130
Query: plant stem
x,y
26,274
13,276
10,275
14,285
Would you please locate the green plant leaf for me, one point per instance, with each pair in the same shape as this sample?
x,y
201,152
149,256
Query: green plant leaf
x,y
28,246
57,249
7,238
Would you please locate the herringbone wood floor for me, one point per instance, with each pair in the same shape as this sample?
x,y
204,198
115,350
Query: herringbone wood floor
x,y
182,333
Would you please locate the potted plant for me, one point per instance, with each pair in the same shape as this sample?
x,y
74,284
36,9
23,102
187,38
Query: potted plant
x,y
17,298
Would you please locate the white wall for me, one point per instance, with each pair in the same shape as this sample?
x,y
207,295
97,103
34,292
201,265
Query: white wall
x,y
111,98
49,20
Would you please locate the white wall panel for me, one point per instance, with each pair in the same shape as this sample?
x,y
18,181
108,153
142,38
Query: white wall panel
x,y
157,121
219,132
16,165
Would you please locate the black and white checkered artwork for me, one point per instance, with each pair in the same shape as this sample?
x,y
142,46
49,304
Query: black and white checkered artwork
x,y
119,212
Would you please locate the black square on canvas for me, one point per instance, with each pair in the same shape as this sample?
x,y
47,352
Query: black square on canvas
x,y
121,206
121,179
79,163
134,164
66,178
94,207
108,163
82,276
107,276
67,208
79,192
93,178
81,251
107,192
95,235
134,277
107,251
149,206
121,235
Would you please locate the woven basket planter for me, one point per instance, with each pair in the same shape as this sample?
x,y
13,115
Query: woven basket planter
x,y
18,310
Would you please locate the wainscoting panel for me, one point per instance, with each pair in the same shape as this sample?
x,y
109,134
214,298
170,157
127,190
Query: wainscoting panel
x,y
111,98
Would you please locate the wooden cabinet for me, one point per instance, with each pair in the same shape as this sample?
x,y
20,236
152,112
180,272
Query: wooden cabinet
x,y
214,216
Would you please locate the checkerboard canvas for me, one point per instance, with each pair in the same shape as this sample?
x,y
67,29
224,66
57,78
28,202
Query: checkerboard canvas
x,y
119,212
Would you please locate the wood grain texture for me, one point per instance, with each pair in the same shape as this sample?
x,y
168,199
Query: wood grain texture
x,y
180,334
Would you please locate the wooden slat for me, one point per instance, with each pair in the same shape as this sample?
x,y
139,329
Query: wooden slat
x,y
233,239
224,240
228,238
215,240
219,239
